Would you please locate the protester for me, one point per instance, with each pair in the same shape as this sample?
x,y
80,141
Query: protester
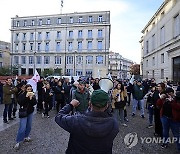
x,y
59,95
138,97
47,100
178,86
73,88
8,91
92,132
40,86
1,93
157,94
82,95
170,115
118,103
89,87
96,84
27,101
66,87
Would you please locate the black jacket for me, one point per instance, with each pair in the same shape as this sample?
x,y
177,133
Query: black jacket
x,y
92,133
46,97
58,94
25,102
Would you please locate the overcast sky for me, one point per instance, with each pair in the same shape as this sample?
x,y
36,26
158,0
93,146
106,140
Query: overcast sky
x,y
128,18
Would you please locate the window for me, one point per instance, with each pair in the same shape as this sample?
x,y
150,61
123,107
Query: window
x,y
147,47
1,64
48,22
17,36
58,34
99,59
176,25
16,47
90,19
71,20
162,73
39,47
57,59
79,72
31,46
23,59
58,46
79,60
89,73
162,35
80,34
0,55
89,45
100,18
17,23
153,61
32,23
153,42
80,46
89,59
47,35
31,60
69,60
32,36
39,36
146,63
38,59
46,59
40,22
162,58
70,34
24,47
24,36
99,45
16,60
80,19
69,72
70,48
25,23
100,33
47,46
59,21
89,33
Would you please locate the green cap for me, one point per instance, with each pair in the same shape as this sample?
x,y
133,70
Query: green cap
x,y
99,98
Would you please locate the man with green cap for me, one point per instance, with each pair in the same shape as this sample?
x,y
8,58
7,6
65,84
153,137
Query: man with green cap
x,y
92,132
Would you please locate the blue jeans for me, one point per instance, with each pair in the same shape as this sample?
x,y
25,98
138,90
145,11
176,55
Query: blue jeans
x,y
141,102
168,124
7,110
151,113
24,128
119,115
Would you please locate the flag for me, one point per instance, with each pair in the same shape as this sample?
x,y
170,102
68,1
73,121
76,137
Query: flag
x,y
33,81
61,3
109,76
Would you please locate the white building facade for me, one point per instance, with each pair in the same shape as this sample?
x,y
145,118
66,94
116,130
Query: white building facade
x,y
119,67
160,43
76,43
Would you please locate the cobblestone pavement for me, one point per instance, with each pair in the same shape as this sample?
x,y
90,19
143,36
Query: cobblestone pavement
x,y
49,138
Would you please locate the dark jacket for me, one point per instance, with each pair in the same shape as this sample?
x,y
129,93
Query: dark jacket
x,y
25,102
46,97
8,90
138,92
66,87
175,106
96,86
83,99
58,93
92,133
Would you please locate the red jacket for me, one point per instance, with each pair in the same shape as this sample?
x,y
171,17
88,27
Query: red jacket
x,y
175,109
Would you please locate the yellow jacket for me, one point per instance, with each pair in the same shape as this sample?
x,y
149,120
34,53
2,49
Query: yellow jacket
x,y
115,98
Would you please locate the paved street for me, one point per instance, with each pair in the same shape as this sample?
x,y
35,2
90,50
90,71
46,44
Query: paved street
x,y
49,138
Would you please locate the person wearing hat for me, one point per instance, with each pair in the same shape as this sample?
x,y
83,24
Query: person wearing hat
x,y
169,106
82,95
92,132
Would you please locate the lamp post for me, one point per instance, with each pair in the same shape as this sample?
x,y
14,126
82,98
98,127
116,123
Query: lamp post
x,y
75,63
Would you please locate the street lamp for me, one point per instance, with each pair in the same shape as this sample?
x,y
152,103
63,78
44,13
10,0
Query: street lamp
x,y
75,63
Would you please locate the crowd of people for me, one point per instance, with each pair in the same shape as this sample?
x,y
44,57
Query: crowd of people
x,y
84,97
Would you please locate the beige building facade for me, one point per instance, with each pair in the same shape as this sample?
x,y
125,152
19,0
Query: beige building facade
x,y
119,67
77,43
160,43
5,54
